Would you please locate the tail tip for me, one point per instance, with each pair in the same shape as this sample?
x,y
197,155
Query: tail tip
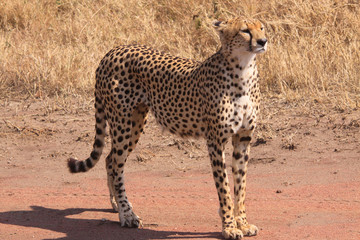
x,y
71,162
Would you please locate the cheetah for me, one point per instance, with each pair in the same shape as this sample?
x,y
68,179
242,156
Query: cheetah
x,y
217,99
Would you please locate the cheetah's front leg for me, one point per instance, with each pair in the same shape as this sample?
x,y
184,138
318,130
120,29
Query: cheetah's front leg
x,y
241,144
229,227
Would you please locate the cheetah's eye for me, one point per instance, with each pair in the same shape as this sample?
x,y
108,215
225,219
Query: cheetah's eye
x,y
246,31
262,28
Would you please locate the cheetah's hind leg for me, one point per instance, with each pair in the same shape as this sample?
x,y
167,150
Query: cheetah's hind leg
x,y
123,143
110,181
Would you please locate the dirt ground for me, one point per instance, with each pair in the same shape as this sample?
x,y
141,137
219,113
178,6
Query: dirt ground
x,y
303,179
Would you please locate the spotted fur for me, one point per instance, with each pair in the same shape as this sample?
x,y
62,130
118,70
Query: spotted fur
x,y
217,99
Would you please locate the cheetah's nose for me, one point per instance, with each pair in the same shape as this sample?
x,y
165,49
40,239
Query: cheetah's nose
x,y
262,41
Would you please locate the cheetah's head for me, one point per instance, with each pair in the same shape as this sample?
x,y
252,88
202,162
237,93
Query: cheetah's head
x,y
242,35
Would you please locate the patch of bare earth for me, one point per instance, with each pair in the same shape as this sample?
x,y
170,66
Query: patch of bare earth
x,y
303,179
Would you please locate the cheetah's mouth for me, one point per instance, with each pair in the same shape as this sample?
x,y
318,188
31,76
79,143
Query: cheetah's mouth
x,y
259,50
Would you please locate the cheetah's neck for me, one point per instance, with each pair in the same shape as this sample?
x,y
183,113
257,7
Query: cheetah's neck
x,y
241,70
243,64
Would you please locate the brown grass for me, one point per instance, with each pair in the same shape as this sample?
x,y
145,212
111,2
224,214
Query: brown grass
x,y
52,47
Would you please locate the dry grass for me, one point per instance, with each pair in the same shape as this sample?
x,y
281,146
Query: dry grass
x,y
52,47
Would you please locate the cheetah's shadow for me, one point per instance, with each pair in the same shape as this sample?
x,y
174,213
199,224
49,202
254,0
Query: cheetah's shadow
x,y
58,221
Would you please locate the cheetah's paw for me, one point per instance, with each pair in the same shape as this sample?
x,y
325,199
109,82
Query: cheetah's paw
x,y
232,233
130,219
249,229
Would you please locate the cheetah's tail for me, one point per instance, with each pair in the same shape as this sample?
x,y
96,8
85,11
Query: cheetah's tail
x,y
76,166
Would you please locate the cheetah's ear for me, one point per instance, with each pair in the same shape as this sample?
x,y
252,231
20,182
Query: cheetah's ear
x,y
218,25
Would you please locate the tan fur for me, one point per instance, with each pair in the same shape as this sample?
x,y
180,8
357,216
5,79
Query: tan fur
x,y
217,99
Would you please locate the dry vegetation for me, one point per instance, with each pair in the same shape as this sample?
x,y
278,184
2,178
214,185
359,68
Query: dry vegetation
x,y
52,47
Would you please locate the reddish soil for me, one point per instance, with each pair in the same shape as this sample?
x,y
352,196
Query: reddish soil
x,y
303,179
